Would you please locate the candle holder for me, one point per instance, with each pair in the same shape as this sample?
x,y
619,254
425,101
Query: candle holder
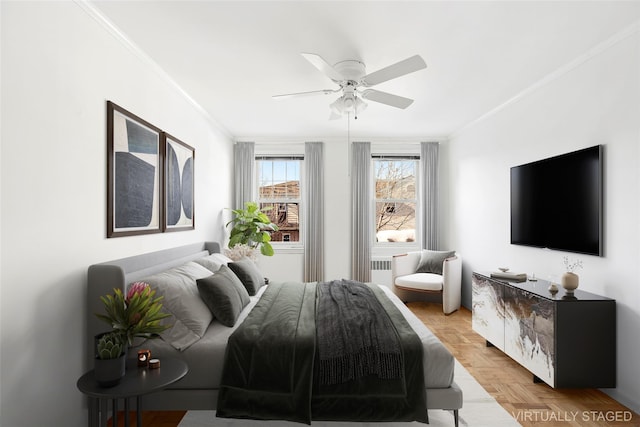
x,y
143,357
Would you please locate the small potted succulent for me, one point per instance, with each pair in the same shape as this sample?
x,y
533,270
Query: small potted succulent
x,y
109,366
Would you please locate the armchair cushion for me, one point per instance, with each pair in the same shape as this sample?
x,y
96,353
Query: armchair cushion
x,y
421,281
431,261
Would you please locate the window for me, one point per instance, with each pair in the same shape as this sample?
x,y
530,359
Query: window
x,y
279,194
396,198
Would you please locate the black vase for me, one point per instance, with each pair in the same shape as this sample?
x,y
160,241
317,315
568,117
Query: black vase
x,y
109,372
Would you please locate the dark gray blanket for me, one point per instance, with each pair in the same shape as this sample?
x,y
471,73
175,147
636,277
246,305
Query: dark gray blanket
x,y
272,363
355,335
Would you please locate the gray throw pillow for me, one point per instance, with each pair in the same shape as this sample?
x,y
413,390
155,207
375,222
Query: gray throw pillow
x,y
224,294
248,273
431,261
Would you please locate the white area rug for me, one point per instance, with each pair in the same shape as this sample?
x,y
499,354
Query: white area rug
x,y
479,410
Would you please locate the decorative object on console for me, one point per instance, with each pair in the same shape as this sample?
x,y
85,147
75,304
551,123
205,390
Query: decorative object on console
x,y
504,273
251,227
570,279
110,359
553,288
136,315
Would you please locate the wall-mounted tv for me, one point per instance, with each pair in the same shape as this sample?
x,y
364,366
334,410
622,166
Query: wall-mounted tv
x,y
557,203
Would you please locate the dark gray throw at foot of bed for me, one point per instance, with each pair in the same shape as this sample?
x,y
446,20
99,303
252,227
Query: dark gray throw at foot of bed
x,y
275,361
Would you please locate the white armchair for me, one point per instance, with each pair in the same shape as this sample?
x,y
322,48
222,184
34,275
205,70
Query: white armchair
x,y
406,281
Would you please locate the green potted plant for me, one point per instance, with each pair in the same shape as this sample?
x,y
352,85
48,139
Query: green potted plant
x,y
138,314
252,228
109,366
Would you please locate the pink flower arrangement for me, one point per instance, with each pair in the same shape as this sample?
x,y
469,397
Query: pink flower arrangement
x,y
137,288
136,315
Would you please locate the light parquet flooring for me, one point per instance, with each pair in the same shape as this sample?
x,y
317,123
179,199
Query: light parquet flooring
x,y
532,404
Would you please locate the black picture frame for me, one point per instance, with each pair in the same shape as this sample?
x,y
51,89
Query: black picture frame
x,y
135,174
179,187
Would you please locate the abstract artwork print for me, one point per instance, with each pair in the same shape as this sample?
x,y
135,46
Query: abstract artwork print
x,y
134,174
179,184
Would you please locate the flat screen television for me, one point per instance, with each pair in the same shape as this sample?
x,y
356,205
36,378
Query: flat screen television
x,y
556,203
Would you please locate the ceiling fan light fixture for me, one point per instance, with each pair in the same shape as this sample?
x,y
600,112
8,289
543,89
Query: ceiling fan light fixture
x,y
360,105
336,106
348,103
351,77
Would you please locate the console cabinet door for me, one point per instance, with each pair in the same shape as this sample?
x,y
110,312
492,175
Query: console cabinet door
x,y
488,310
529,332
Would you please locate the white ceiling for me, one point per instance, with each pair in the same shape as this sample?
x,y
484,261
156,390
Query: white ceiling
x,y
230,57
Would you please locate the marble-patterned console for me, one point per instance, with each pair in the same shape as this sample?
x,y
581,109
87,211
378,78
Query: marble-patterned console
x,y
564,340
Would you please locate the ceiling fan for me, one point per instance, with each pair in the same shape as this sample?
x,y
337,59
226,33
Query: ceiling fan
x,y
354,83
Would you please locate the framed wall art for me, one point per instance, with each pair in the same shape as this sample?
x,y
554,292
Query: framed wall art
x,y
134,174
178,184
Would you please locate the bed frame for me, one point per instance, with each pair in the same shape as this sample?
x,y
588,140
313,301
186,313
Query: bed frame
x,y
104,277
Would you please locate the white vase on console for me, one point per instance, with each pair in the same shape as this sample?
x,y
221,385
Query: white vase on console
x,y
570,282
570,279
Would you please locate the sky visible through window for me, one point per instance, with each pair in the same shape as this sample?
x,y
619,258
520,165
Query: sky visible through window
x,y
278,171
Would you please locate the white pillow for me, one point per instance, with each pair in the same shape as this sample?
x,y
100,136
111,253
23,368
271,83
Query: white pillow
x,y
190,315
213,261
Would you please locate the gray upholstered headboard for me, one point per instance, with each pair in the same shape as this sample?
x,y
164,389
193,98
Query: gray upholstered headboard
x,y
104,277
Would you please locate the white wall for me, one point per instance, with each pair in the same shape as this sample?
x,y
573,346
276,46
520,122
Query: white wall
x,y
59,66
597,101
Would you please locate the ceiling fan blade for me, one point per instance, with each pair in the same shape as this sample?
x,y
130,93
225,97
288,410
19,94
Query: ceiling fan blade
x,y
322,65
387,98
334,116
398,69
310,93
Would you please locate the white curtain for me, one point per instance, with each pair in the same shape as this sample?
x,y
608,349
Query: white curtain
x,y
244,165
314,209
361,221
429,196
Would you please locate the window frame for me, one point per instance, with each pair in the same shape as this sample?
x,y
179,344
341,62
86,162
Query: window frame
x,y
394,246
282,246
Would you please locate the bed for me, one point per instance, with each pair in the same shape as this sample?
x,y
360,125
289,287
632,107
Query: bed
x,y
205,351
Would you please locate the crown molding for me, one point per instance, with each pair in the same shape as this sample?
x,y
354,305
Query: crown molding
x,y
599,48
101,19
